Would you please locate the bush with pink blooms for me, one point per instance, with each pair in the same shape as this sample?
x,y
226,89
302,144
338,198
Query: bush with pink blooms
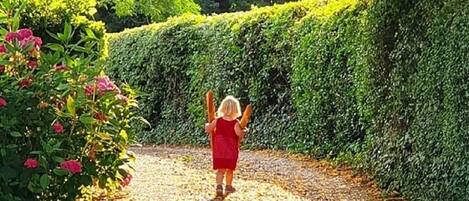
x,y
64,125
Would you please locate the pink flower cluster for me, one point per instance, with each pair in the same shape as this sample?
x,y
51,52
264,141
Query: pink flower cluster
x,y
103,84
24,37
26,82
126,181
58,128
73,166
32,64
31,163
89,90
3,102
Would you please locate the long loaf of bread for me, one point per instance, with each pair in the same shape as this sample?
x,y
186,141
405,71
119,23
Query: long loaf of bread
x,y
246,116
210,107
210,113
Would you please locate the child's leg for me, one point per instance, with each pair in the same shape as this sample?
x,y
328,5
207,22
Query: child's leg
x,y
220,174
229,182
229,177
219,180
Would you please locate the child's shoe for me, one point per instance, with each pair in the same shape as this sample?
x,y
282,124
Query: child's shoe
x,y
219,190
229,189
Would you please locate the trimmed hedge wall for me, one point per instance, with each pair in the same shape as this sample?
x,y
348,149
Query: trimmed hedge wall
x,y
330,50
382,84
419,97
238,56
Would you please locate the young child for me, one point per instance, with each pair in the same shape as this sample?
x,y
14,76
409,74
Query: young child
x,y
226,140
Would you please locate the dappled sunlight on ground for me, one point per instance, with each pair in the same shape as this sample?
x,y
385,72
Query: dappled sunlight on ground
x,y
168,179
176,173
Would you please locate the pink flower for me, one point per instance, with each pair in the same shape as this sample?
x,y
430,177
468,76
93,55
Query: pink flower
x,y
32,64
2,68
11,36
31,163
73,166
104,84
122,98
36,41
25,42
61,68
24,33
3,102
126,181
89,90
2,49
25,83
58,128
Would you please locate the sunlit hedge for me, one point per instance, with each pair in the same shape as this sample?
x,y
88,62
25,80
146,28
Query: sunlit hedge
x,y
382,84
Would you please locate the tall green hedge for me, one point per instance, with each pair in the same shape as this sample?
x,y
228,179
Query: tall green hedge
x,y
330,50
419,97
385,82
175,70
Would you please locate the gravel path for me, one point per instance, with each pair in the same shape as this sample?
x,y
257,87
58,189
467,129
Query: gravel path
x,y
182,173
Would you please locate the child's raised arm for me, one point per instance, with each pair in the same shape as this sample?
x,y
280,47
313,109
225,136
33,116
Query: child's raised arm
x,y
210,127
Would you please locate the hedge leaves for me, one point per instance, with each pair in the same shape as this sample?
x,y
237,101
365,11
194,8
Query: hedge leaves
x,y
385,82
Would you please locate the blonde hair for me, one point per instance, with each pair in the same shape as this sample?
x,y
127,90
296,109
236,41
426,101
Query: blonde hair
x,y
229,107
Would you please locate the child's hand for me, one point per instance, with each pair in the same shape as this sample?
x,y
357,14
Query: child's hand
x,y
207,127
245,130
241,137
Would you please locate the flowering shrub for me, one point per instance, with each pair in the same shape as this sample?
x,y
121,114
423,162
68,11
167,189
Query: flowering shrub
x,y
64,125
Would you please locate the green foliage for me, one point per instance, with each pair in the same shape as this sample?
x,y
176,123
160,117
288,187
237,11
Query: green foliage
x,y
120,14
157,11
244,5
330,48
230,57
213,6
52,15
381,85
418,97
63,125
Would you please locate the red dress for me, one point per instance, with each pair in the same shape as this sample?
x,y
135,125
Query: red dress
x,y
225,145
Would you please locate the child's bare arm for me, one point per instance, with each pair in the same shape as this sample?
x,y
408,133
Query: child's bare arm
x,y
239,131
210,127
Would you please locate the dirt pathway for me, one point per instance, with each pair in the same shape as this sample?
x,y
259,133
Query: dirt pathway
x,y
181,173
